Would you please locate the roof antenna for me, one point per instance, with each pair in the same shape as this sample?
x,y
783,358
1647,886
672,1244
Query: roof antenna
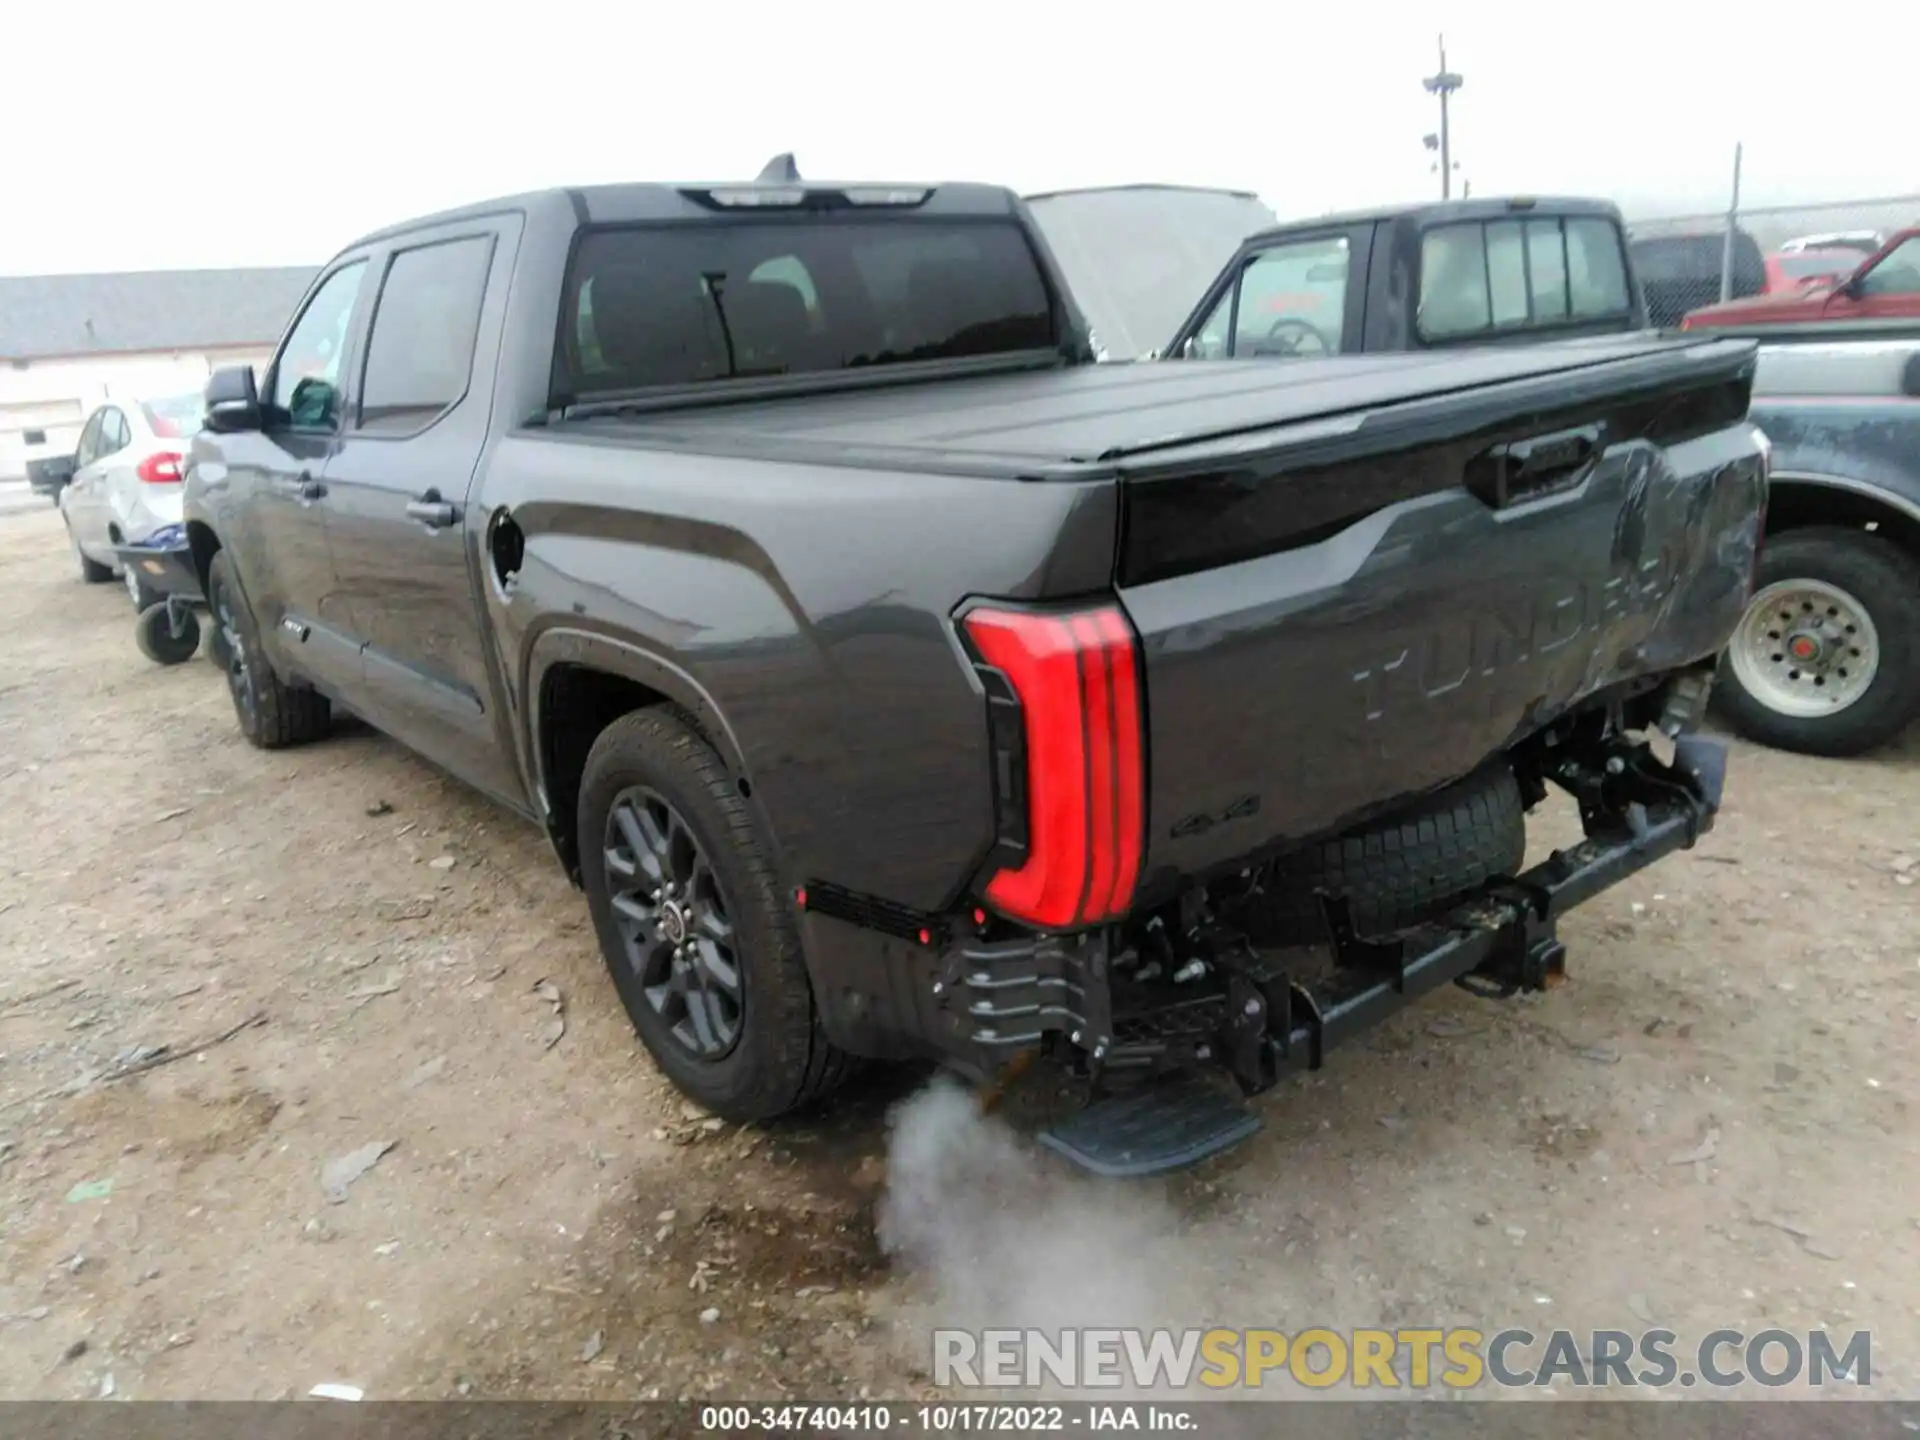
x,y
780,170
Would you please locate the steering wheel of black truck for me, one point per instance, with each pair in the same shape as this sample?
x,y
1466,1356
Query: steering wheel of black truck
x,y
699,937
1826,660
1293,338
272,713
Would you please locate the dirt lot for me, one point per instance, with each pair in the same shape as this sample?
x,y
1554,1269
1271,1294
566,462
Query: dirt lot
x,y
551,1221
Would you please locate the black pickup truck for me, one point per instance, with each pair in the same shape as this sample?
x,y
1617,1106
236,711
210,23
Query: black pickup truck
x,y
899,682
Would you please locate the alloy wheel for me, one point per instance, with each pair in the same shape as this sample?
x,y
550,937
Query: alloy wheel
x,y
674,922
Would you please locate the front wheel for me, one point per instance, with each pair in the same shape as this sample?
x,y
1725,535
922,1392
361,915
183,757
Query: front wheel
x,y
700,941
272,713
1826,660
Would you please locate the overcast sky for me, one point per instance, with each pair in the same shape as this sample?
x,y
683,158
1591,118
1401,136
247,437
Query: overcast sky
x,y
233,134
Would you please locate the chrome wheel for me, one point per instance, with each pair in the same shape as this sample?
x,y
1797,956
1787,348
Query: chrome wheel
x,y
674,923
1805,648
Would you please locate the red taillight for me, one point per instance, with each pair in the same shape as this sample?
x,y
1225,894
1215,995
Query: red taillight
x,y
160,468
1076,679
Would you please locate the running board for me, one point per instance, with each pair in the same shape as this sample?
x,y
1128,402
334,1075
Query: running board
x,y
1165,1125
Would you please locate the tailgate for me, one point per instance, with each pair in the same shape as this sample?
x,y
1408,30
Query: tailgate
x,y
1364,607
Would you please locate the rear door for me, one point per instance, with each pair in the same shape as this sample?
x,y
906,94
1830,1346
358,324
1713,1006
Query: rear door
x,y
405,545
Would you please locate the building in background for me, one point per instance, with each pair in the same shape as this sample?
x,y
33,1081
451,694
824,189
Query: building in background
x,y
69,342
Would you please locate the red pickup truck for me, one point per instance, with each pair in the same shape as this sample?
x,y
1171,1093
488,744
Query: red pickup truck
x,y
1886,287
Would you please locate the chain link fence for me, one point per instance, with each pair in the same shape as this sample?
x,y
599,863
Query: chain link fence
x,y
1684,261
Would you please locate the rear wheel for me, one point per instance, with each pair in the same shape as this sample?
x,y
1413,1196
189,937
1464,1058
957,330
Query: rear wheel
x,y
1826,660
272,713
1398,871
696,933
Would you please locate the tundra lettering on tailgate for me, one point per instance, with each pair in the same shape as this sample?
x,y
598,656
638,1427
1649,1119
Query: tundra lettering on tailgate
x,y
1511,631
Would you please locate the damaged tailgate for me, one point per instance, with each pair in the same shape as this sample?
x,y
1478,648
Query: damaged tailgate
x,y
1347,611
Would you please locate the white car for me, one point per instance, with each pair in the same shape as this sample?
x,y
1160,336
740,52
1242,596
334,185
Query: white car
x,y
127,474
1865,242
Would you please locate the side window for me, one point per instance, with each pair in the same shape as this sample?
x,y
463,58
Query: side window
x,y
306,376
420,351
1596,270
1293,300
88,450
1898,274
114,433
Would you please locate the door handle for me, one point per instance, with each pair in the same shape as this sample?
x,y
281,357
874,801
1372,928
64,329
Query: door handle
x,y
431,511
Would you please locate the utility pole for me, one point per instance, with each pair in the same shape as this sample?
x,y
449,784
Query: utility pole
x,y
1443,83
1733,228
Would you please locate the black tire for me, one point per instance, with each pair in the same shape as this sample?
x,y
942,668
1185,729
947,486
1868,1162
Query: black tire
x,y
780,1059
92,572
1886,581
1402,869
153,633
272,713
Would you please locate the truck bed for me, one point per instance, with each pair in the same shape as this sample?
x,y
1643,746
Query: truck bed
x,y
1088,421
1353,579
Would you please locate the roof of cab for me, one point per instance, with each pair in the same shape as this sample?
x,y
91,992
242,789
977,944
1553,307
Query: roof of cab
x,y
669,200
1490,208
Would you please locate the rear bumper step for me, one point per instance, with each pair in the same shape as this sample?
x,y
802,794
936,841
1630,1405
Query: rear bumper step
x,y
1168,1125
1265,1024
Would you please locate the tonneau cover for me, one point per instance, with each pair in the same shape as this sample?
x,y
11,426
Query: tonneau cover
x,y
1089,420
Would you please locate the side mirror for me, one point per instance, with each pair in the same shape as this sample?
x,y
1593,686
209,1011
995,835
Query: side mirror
x,y
233,400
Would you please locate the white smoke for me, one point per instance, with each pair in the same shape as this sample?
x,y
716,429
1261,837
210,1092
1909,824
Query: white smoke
x,y
991,1233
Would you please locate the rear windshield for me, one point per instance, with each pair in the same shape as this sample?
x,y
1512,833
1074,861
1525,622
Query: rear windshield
x,y
691,304
174,418
1817,264
1478,277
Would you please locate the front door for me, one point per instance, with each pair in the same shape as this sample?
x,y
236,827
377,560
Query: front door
x,y
406,547
279,473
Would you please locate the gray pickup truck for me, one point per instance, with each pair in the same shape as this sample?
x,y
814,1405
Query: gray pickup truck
x,y
899,682
1827,659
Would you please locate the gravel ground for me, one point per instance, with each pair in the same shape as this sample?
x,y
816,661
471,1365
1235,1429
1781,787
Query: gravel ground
x,y
372,957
